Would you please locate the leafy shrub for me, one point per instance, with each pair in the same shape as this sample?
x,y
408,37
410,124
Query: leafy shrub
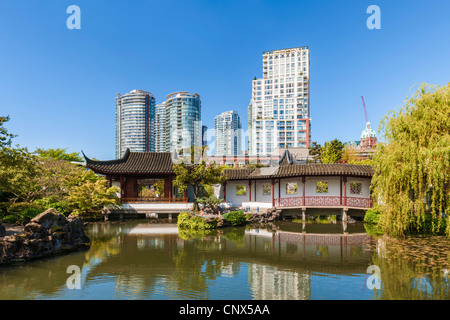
x,y
10,219
187,220
236,218
62,206
4,206
211,201
372,216
24,211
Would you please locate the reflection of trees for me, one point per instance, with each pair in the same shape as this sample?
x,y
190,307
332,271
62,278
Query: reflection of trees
x,y
322,251
236,235
356,251
413,268
37,279
103,247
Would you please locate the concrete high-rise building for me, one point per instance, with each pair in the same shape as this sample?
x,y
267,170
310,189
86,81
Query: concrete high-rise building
x,y
228,134
279,110
183,126
160,127
135,116
204,135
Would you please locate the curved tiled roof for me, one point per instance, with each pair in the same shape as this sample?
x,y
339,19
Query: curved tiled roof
x,y
161,163
288,166
238,173
134,163
298,170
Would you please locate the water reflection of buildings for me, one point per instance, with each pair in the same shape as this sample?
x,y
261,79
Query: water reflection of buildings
x,y
271,283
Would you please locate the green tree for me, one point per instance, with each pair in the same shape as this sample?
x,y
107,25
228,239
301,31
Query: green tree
x,y
315,150
58,154
412,166
18,172
159,185
5,137
90,193
332,151
198,176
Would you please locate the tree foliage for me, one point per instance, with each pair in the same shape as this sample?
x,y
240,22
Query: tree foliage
x,y
58,154
332,151
5,137
315,150
18,172
412,166
90,193
199,176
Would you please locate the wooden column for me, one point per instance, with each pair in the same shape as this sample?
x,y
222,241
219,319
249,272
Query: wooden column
x,y
303,192
340,191
168,187
279,188
273,193
225,191
250,190
345,191
121,187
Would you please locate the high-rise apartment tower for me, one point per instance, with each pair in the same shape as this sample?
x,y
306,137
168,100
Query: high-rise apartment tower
x,y
279,110
183,126
135,116
228,134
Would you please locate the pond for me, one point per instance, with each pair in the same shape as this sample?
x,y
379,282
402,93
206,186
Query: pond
x,y
281,261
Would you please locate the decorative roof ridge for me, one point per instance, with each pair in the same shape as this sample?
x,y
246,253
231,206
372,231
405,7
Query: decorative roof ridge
x,y
108,162
289,158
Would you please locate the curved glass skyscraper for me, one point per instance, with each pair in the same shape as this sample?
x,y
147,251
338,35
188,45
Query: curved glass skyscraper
x,y
183,126
135,122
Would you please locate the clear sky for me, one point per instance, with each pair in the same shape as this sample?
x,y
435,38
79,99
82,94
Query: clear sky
x,y
59,85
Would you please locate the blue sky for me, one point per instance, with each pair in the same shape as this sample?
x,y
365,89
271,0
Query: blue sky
x,y
59,85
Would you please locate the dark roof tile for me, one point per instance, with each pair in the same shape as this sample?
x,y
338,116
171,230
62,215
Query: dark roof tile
x,y
135,162
297,170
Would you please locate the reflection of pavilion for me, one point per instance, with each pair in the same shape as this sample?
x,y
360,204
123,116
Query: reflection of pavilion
x,y
151,262
303,254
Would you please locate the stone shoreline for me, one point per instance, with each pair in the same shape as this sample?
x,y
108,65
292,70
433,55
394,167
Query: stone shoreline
x,y
49,233
11,229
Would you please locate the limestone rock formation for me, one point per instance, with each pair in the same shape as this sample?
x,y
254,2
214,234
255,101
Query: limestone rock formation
x,y
48,233
269,216
2,230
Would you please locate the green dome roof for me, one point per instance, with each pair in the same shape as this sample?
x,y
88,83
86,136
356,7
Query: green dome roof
x,y
368,132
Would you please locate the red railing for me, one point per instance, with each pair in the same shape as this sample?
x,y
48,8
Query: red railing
x,y
323,201
151,200
359,202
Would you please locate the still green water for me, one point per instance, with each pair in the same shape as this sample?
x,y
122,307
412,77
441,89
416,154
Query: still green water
x,y
282,261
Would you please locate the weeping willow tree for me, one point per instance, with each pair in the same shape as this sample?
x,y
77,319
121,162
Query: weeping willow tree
x,y
412,166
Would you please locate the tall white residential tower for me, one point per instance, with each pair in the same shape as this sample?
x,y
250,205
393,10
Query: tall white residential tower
x,y
228,135
279,112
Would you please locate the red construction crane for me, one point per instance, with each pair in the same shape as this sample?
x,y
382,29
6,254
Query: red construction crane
x,y
367,121
365,111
